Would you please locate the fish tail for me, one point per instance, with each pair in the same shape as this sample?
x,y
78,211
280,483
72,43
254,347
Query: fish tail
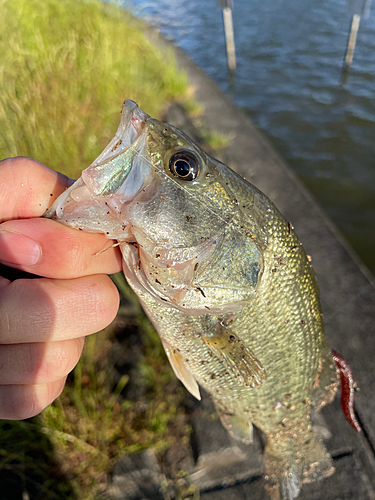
x,y
288,467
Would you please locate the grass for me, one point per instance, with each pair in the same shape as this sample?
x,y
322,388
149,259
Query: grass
x,y
212,139
96,421
66,66
68,451
65,69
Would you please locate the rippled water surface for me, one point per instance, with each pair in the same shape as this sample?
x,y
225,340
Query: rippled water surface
x,y
289,82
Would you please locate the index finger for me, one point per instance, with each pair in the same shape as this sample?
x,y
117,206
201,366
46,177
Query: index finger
x,y
42,246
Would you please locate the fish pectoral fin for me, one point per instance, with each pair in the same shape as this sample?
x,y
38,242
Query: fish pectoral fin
x,y
181,370
237,358
239,427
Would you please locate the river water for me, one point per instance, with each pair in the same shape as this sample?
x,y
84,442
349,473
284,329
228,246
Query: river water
x,y
289,81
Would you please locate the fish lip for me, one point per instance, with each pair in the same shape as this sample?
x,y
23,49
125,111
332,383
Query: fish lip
x,y
108,174
138,119
132,118
103,179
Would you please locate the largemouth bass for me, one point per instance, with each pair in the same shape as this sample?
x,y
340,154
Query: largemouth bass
x,y
224,280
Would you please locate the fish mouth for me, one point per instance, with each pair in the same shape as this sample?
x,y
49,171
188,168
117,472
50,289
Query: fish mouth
x,y
122,165
132,125
120,172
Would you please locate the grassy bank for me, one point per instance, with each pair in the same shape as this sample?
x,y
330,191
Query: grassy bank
x,y
65,69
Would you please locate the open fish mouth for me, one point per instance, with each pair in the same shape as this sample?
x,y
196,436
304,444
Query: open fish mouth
x,y
120,171
131,128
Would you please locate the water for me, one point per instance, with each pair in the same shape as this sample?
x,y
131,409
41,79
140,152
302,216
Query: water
x,y
289,82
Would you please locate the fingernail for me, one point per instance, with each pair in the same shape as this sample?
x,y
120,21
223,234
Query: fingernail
x,y
18,249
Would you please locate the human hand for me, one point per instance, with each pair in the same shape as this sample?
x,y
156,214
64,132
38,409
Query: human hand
x,y
43,321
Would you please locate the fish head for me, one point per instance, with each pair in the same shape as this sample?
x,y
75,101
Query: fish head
x,y
183,210
174,208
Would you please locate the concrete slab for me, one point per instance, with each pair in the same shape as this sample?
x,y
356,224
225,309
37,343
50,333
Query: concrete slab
x,y
220,459
252,489
136,477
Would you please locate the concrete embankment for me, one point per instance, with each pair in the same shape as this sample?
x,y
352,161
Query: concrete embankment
x,y
220,467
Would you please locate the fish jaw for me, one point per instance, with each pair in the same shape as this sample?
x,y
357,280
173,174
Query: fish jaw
x,y
94,202
109,173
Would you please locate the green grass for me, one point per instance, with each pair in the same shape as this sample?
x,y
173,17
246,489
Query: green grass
x,y
65,68
68,450
92,424
212,139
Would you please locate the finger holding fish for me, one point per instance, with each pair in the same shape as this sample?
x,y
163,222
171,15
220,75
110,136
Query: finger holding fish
x,y
43,321
18,402
41,310
42,247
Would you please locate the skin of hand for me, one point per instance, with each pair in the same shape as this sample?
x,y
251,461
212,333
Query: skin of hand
x,y
43,321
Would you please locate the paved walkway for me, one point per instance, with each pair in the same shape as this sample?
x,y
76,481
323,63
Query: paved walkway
x,y
221,468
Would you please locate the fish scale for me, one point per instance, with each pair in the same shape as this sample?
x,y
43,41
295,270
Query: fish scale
x,y
226,283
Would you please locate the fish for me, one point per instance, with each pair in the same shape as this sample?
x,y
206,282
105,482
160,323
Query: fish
x,y
227,285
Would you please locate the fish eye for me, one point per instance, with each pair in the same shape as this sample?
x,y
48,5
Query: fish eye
x,y
184,165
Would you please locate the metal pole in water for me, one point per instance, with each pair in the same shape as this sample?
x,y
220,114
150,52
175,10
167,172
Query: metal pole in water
x,y
229,34
352,40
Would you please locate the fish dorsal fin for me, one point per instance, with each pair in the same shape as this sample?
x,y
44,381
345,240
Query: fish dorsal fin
x,y
237,357
181,371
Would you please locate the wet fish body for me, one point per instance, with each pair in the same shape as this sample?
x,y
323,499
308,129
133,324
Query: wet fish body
x,y
226,283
